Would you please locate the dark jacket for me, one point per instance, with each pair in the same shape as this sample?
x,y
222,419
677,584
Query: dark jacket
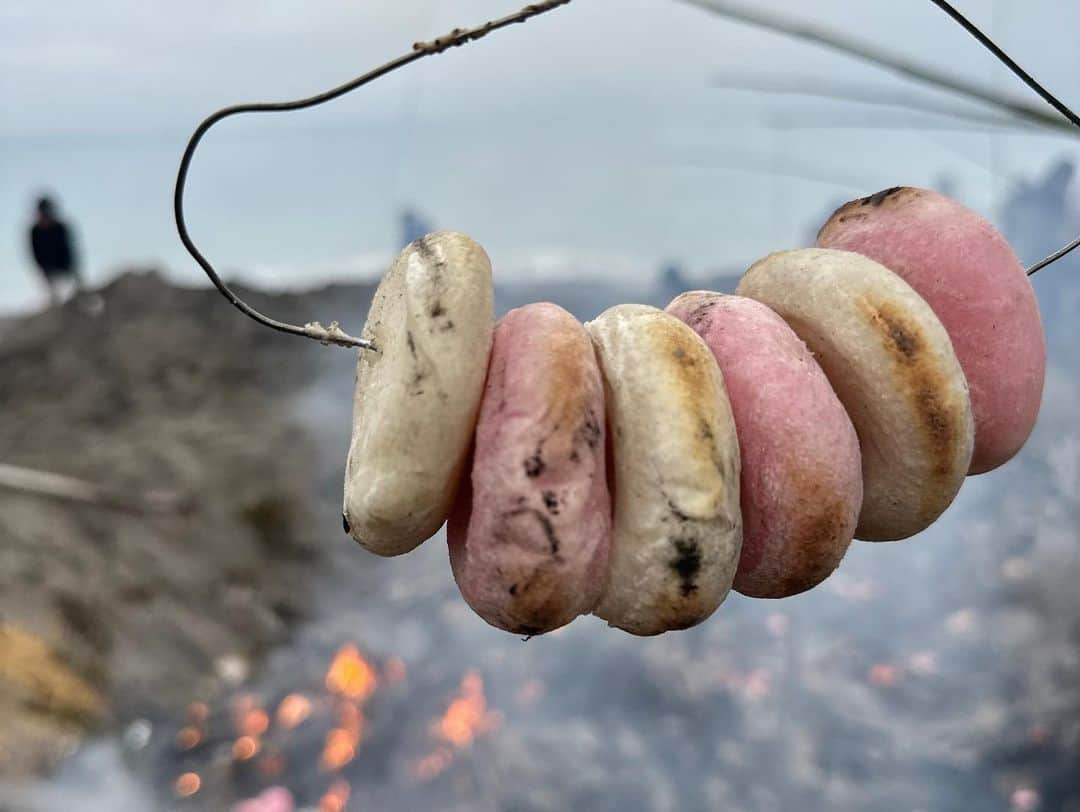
x,y
51,245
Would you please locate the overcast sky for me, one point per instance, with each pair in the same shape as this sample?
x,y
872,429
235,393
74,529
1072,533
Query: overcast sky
x,y
588,140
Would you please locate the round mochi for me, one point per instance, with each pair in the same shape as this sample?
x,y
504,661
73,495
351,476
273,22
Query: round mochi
x,y
801,485
967,272
418,392
892,365
677,528
529,540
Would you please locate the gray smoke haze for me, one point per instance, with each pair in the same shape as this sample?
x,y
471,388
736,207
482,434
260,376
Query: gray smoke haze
x,y
936,674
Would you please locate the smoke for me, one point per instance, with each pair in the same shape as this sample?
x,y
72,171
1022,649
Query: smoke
x,y
939,673
97,778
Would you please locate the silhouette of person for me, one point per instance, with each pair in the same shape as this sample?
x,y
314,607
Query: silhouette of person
x,y
54,253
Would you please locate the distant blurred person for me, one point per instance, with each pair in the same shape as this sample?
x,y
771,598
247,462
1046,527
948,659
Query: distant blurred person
x,y
54,252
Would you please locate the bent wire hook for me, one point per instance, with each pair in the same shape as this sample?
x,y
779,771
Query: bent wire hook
x,y
332,334
461,36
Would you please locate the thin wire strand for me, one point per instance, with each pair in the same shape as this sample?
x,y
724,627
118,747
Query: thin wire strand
x,y
458,37
332,334
1030,81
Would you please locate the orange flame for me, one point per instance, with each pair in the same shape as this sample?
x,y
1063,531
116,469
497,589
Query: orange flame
x,y
350,675
254,723
336,797
246,747
187,785
468,716
293,710
339,750
351,720
188,737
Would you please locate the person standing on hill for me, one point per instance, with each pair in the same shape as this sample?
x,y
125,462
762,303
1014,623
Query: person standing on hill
x,y
54,253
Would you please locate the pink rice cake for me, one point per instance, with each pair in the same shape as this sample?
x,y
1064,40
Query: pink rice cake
x,y
801,488
968,274
529,538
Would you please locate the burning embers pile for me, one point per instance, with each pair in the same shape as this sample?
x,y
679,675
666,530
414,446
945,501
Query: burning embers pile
x,y
297,750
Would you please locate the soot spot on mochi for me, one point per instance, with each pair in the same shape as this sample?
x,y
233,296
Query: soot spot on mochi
x,y
700,313
535,465
588,433
345,523
551,502
705,430
843,218
513,589
880,197
543,521
425,249
686,564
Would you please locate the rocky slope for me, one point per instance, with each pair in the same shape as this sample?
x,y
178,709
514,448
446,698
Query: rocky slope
x,y
108,612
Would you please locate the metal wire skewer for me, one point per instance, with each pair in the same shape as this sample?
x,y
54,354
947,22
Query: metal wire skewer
x,y
332,334
1030,81
458,37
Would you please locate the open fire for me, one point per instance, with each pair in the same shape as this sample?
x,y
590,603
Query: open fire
x,y
276,738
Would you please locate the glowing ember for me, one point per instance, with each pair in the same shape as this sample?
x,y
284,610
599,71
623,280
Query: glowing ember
x,y
342,741
883,675
433,764
241,707
245,747
188,737
254,722
339,750
350,719
336,797
197,713
394,670
187,785
350,675
468,716
293,710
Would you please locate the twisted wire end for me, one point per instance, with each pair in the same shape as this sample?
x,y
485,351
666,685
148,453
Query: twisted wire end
x,y
335,335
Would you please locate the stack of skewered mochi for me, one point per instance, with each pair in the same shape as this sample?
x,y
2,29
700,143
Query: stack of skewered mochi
x,y
640,466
